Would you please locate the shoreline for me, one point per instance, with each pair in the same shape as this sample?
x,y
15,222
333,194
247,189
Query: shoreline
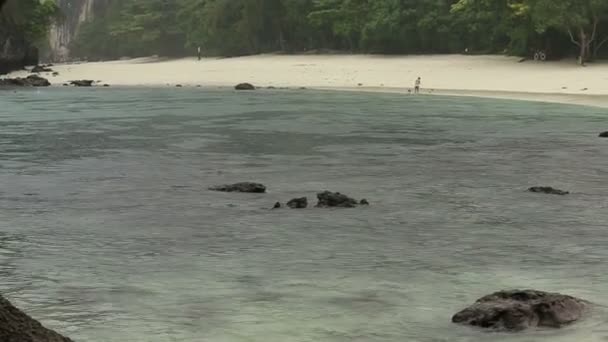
x,y
598,101
487,76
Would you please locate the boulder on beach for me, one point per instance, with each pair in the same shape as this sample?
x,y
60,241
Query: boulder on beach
x,y
604,134
328,199
30,81
82,83
548,190
16,326
244,86
240,187
41,68
298,203
519,310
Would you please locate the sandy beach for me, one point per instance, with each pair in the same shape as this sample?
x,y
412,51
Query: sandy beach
x,y
484,76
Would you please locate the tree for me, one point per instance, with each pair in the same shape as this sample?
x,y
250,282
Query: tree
x,y
30,19
579,18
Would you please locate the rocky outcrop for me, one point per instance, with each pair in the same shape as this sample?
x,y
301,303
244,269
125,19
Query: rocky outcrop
x,y
74,14
15,51
328,199
604,134
16,326
244,86
298,203
41,68
30,81
520,310
240,187
548,190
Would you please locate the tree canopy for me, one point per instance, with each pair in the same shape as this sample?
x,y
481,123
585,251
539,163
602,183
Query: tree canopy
x,y
241,27
29,19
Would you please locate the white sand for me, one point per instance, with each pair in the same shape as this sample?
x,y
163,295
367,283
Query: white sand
x,y
486,76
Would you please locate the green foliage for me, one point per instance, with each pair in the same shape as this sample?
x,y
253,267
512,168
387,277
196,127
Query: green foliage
x,y
241,27
29,19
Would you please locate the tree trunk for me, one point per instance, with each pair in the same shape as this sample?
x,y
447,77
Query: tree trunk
x,y
598,46
584,47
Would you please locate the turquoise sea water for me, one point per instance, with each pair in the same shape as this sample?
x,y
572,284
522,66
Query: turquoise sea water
x,y
107,231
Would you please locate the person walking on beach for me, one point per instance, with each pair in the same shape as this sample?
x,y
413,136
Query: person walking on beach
x,y
417,85
199,53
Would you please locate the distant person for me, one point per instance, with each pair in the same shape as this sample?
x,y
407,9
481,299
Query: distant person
x,y
417,85
199,53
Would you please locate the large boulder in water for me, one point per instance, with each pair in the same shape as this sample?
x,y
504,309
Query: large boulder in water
x,y
30,81
604,135
519,310
298,203
240,187
244,86
16,326
548,190
328,199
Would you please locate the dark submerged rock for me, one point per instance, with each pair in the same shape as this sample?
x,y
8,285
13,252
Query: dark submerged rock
x,y
82,83
519,310
298,203
604,134
16,326
244,86
328,199
548,190
240,187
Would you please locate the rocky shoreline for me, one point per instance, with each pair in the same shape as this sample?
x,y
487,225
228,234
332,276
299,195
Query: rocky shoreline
x,y
17,326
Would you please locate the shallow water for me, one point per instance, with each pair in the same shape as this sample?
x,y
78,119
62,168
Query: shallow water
x,y
107,231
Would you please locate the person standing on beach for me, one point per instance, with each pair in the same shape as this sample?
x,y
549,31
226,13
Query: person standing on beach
x,y
199,53
417,85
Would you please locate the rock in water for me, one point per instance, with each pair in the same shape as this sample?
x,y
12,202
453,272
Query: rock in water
x,y
30,81
548,190
328,199
604,135
519,310
16,326
364,202
82,83
37,81
244,86
298,203
277,205
240,187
